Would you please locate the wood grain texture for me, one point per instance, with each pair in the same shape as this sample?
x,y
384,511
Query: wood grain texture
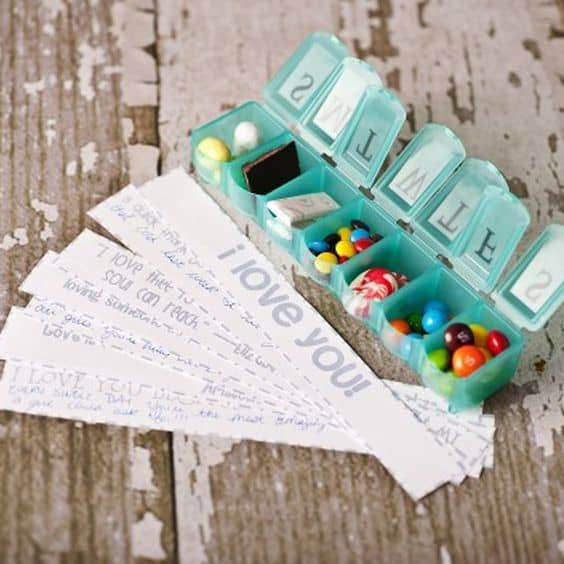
x,y
94,92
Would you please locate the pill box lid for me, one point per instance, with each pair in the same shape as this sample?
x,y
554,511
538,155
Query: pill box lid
x,y
418,171
298,81
534,288
473,223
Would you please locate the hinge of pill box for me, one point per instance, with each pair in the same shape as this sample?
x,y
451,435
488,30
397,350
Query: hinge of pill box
x,y
405,225
366,192
445,261
329,159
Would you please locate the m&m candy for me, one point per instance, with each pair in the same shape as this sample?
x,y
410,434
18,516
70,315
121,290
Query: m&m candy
x,y
324,262
363,244
317,247
358,234
496,342
345,249
466,359
344,233
456,335
332,239
435,305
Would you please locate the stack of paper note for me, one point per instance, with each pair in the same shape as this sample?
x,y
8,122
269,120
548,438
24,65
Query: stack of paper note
x,y
189,328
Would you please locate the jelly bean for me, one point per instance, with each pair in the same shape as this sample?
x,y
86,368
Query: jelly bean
x,y
363,244
343,259
211,152
435,304
359,234
401,325
433,319
440,358
344,233
457,335
357,224
466,359
245,137
407,344
480,334
496,342
487,353
332,239
415,322
317,247
324,262
345,249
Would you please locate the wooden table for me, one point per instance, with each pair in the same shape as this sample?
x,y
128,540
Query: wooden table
x,y
94,93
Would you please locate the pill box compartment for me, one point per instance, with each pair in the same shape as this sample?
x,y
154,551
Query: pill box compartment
x,y
360,208
317,179
439,283
223,128
462,393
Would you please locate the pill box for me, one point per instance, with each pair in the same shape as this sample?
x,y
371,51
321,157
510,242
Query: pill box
x,y
447,222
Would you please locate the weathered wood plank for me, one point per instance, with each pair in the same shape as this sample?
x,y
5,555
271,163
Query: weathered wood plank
x,y
68,492
476,68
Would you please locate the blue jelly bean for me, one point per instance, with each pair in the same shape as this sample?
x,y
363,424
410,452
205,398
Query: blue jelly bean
x,y
358,234
435,304
318,247
433,319
407,344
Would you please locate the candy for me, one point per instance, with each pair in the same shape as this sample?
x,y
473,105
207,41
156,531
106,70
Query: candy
x,y
401,325
245,137
440,358
373,284
480,334
344,233
466,359
317,247
435,304
357,234
211,152
363,244
357,224
457,335
332,239
496,342
415,322
487,353
345,249
324,262
433,319
299,209
343,259
407,344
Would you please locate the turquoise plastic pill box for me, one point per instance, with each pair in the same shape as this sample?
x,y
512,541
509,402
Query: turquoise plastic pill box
x,y
448,222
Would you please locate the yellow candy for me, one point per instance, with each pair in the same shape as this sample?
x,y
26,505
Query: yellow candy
x,y
344,233
212,151
486,352
345,249
324,262
480,334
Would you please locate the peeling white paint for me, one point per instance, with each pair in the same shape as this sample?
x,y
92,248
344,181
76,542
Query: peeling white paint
x,y
19,237
445,555
141,470
88,157
49,211
50,131
89,58
53,7
46,233
146,538
70,168
68,84
127,129
33,88
48,29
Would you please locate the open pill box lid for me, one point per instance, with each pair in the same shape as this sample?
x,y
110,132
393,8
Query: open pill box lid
x,y
459,209
338,105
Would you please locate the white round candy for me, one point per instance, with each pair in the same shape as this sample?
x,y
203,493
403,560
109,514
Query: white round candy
x,y
246,137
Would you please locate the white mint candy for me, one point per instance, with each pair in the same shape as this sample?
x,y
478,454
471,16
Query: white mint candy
x,y
245,137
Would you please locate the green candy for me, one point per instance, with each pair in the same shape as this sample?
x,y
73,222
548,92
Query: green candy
x,y
440,358
415,322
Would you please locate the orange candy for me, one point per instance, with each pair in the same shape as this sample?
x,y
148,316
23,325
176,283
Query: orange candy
x,y
401,325
467,359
